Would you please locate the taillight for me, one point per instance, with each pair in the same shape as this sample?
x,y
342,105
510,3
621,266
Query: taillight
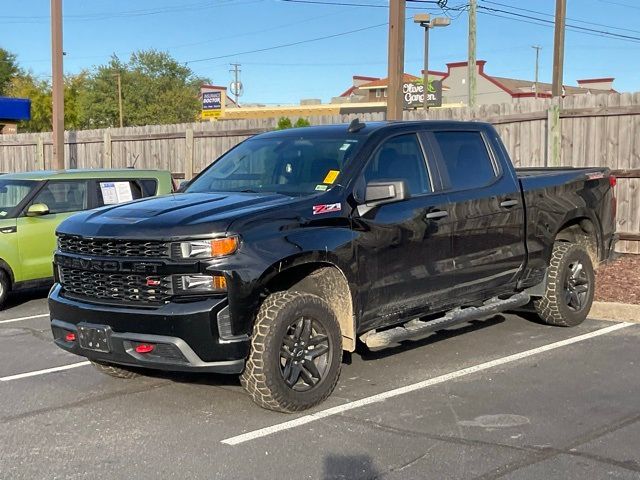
x,y
613,180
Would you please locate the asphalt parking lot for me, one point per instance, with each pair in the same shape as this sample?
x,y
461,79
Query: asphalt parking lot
x,y
504,398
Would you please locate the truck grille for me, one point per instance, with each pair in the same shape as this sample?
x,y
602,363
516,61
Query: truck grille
x,y
122,287
112,248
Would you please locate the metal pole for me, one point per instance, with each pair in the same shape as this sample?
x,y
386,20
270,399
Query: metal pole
x,y
57,93
396,59
558,47
537,48
471,64
120,97
426,67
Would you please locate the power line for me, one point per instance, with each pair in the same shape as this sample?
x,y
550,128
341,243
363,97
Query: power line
x,y
128,13
574,28
597,24
290,44
620,4
351,4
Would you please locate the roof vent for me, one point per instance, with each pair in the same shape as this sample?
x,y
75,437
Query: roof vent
x,y
355,126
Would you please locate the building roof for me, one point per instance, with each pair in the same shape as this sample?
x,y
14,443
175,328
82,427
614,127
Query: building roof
x,y
523,88
383,82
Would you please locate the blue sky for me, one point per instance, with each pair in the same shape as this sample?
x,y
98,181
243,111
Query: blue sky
x,y
197,29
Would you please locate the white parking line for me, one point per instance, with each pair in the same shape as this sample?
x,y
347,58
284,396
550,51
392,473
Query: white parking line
x,y
24,318
263,432
43,372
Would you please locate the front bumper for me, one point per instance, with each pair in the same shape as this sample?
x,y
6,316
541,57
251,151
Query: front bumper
x,y
187,332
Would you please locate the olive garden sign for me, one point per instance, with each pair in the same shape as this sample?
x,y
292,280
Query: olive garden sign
x,y
413,94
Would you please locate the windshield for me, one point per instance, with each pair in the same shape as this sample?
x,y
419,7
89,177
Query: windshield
x,y
12,192
287,165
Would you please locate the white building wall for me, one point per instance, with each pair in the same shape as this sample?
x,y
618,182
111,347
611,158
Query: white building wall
x,y
487,92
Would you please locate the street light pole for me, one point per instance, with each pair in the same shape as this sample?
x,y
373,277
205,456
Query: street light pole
x,y
425,21
426,68
537,49
57,85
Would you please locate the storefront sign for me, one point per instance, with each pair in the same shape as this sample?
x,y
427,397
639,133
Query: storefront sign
x,y
413,94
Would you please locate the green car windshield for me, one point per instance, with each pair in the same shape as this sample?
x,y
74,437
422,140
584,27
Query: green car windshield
x,y
288,165
12,192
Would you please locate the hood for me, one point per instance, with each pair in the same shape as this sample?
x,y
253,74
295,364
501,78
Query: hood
x,y
170,216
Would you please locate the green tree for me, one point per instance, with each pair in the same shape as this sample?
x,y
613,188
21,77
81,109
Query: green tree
x,y
26,85
156,89
8,69
301,122
39,92
284,123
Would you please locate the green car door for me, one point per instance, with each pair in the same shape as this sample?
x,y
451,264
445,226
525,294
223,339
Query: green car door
x,y
13,195
55,202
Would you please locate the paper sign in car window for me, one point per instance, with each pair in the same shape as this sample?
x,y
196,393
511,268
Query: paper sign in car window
x,y
115,192
331,177
109,195
123,189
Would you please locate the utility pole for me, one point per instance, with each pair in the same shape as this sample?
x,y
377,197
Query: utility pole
x,y
395,66
119,77
57,85
537,48
236,89
558,47
471,63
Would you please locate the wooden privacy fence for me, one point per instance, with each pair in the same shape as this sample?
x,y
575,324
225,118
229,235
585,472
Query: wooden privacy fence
x,y
580,130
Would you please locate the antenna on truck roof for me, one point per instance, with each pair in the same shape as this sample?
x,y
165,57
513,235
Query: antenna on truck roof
x,y
355,125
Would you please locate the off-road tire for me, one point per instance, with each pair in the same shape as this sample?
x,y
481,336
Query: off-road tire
x,y
5,287
263,378
552,308
113,371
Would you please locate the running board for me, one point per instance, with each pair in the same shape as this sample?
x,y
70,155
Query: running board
x,y
416,327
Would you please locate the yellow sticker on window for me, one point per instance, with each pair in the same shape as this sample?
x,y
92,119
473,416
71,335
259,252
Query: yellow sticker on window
x,y
331,176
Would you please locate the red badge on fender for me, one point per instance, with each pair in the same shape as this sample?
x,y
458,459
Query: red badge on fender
x,y
327,208
152,282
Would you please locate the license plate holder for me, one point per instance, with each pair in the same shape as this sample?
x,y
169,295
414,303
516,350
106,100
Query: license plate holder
x,y
94,337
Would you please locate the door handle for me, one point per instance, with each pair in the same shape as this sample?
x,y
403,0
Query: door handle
x,y
509,203
9,230
437,214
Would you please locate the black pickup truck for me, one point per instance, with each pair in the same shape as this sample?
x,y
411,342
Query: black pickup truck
x,y
295,245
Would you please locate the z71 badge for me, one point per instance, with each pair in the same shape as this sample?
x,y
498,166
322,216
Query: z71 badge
x,y
327,208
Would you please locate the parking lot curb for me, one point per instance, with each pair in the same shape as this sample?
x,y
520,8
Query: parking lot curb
x,y
625,312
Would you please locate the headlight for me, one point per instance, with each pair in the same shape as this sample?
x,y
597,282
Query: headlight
x,y
216,247
186,284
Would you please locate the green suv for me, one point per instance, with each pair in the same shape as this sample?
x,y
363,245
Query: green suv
x,y
33,204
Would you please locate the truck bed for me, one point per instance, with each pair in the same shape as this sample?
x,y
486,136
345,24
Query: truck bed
x,y
545,171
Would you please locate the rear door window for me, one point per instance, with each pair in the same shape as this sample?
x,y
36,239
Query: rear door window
x,y
112,192
465,160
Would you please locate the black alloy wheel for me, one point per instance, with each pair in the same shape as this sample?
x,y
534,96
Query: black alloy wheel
x,y
304,354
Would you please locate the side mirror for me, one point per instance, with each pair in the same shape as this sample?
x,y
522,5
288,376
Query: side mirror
x,y
183,185
380,193
37,210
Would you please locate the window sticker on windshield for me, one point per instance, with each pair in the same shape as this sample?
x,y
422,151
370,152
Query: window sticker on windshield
x,y
327,208
322,188
331,177
115,192
345,147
